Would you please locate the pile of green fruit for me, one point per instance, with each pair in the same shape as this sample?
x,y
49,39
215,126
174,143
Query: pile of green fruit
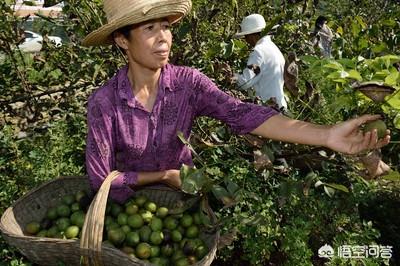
x,y
139,228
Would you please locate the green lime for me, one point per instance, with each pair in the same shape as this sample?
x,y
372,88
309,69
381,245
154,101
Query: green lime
x,y
32,228
72,231
78,218
116,209
192,231
128,250
156,238
135,221
52,213
42,233
159,261
75,207
192,259
162,212
79,195
144,233
201,251
126,228
379,125
178,254
140,200
156,224
68,199
116,236
155,251
167,250
147,216
176,236
63,210
196,218
122,218
63,223
132,238
131,209
150,206
143,251
52,232
182,262
170,223
186,220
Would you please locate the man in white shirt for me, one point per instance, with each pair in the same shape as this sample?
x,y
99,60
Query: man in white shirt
x,y
265,65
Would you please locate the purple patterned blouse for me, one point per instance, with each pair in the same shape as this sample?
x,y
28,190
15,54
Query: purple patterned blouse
x,y
123,136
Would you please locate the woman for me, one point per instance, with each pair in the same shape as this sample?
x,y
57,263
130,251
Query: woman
x,y
134,118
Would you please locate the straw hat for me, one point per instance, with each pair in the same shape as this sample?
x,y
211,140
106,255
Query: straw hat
x,y
121,13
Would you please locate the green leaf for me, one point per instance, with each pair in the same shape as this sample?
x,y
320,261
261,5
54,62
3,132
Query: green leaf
x,y
354,74
392,78
392,176
337,187
334,65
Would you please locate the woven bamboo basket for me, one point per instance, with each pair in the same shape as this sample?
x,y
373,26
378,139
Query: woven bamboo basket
x,y
89,249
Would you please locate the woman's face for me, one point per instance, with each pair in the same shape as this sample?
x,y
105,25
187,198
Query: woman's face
x,y
149,44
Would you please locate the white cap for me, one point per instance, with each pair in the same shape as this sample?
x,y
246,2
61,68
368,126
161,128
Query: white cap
x,y
251,24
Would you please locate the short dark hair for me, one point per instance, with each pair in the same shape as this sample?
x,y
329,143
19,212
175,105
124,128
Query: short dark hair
x,y
320,21
126,31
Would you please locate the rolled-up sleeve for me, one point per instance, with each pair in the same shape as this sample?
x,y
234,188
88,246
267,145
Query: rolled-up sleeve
x,y
100,151
248,78
241,117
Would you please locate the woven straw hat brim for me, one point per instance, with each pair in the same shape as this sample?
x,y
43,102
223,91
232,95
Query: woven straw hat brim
x,y
174,10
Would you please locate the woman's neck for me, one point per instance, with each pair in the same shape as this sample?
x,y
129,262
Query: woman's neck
x,y
144,84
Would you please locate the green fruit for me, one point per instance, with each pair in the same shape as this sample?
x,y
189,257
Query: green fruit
x,y
128,250
196,218
63,210
150,206
192,260
78,218
68,199
170,223
144,233
201,251
52,232
162,212
167,250
131,209
155,251
135,221
156,224
116,209
63,223
125,228
159,261
132,239
176,236
156,238
122,218
42,233
140,200
52,213
147,216
182,262
143,251
192,231
186,220
72,231
116,236
79,195
75,207
32,228
379,125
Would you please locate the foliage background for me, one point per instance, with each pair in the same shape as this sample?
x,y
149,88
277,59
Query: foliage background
x,y
278,214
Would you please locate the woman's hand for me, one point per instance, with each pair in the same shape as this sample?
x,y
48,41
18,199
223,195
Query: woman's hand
x,y
347,137
172,178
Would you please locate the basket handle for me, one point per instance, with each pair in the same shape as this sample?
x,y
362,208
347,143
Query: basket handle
x,y
92,231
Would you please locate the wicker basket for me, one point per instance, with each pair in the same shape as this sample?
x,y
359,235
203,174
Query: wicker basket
x,y
87,251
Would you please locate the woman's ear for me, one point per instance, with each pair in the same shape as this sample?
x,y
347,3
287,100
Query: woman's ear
x,y
120,40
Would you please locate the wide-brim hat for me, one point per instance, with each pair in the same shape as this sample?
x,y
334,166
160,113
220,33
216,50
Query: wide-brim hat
x,y
253,23
121,13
